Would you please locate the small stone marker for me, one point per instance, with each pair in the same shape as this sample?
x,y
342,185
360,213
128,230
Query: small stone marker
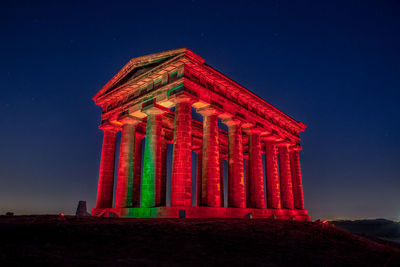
x,y
81,210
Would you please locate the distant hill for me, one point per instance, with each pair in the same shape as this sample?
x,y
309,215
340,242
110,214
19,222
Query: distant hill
x,y
380,228
77,241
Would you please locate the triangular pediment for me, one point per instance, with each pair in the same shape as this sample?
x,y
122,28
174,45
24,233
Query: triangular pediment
x,y
140,65
138,70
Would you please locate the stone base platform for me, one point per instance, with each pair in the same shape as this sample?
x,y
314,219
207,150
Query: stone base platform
x,y
202,212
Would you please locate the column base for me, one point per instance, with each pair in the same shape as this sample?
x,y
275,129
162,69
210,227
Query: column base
x,y
202,212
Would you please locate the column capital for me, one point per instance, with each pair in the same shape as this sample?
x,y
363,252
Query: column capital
x,y
130,120
197,150
271,138
284,143
150,107
183,97
252,130
208,110
295,147
108,126
232,121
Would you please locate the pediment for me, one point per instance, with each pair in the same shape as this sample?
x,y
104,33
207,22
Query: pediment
x,y
140,65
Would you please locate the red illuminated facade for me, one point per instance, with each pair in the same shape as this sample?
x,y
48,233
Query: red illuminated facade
x,y
151,101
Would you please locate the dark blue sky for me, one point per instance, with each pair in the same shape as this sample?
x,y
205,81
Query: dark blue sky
x,y
333,65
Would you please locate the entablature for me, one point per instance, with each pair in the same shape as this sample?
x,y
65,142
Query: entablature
x,y
214,81
184,72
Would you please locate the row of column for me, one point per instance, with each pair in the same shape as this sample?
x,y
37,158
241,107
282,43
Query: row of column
x,y
284,189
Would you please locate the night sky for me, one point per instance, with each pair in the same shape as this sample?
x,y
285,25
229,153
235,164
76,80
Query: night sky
x,y
335,66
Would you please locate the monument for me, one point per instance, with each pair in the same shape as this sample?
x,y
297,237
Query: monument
x,y
151,101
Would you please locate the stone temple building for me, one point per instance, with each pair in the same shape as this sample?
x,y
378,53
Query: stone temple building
x,y
238,158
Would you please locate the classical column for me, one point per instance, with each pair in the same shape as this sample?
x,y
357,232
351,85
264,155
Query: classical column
x,y
257,198
198,177
163,194
211,187
221,180
236,194
246,160
286,177
181,184
271,165
151,180
107,162
137,169
296,178
124,189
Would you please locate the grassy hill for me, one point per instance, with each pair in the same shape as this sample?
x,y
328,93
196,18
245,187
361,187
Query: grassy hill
x,y
53,240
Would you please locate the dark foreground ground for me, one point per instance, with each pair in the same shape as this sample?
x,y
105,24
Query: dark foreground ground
x,y
72,241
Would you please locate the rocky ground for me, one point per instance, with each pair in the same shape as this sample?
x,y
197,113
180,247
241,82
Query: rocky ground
x,y
74,241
